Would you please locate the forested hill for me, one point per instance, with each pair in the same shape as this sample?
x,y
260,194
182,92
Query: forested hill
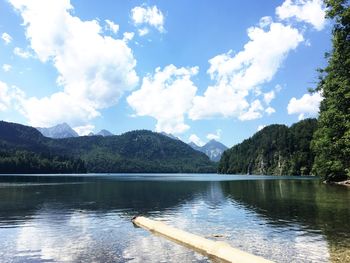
x,y
24,149
275,150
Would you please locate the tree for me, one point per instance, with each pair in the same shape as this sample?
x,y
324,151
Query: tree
x,y
331,142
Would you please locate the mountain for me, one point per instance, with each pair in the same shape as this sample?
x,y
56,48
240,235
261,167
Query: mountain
x,y
274,150
194,146
169,135
24,149
59,131
104,133
213,149
132,152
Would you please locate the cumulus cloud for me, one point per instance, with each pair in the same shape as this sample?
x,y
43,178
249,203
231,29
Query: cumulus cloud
x,y
270,110
269,96
6,67
94,70
84,130
196,140
127,36
143,31
307,106
237,76
57,108
166,96
214,136
144,16
6,38
110,25
254,111
309,11
9,96
21,53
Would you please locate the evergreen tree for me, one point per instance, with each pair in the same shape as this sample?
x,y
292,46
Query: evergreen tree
x,y
331,142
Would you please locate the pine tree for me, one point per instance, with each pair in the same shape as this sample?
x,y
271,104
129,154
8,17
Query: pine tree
x,y
331,142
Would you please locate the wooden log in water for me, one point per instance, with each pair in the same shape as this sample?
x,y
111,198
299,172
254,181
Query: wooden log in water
x,y
214,249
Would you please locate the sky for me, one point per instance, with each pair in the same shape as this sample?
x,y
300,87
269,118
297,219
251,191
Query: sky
x,y
199,70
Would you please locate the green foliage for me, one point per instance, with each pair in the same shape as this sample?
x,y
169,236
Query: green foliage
x,y
30,163
135,152
331,142
275,150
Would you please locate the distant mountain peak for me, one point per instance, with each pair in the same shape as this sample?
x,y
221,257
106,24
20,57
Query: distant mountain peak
x,y
213,149
194,146
62,130
104,133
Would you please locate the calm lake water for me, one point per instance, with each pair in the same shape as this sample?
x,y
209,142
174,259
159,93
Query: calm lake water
x,y
87,218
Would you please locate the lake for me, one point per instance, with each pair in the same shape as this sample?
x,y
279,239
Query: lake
x,y
87,218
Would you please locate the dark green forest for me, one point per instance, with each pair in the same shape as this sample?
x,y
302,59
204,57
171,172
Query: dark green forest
x,y
25,150
331,142
275,150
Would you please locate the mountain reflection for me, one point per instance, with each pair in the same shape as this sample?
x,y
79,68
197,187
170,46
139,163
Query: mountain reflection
x,y
130,198
263,213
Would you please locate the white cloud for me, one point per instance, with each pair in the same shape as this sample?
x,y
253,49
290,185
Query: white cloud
x,y
110,25
57,108
309,11
148,16
269,96
260,127
166,96
84,130
237,76
195,139
254,111
6,38
127,36
9,96
270,110
21,53
143,31
307,106
214,136
6,67
218,100
94,70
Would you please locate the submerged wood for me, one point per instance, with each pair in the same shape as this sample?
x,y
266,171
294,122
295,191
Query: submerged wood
x,y
215,249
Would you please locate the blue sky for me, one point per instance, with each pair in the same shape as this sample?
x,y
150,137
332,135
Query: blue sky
x,y
196,69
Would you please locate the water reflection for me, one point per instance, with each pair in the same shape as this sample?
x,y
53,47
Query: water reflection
x,y
314,207
88,218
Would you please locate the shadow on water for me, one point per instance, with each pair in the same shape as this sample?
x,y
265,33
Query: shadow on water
x,y
309,203
22,197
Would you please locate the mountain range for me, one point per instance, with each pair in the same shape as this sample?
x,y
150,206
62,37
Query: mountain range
x,y
213,149
63,130
24,149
